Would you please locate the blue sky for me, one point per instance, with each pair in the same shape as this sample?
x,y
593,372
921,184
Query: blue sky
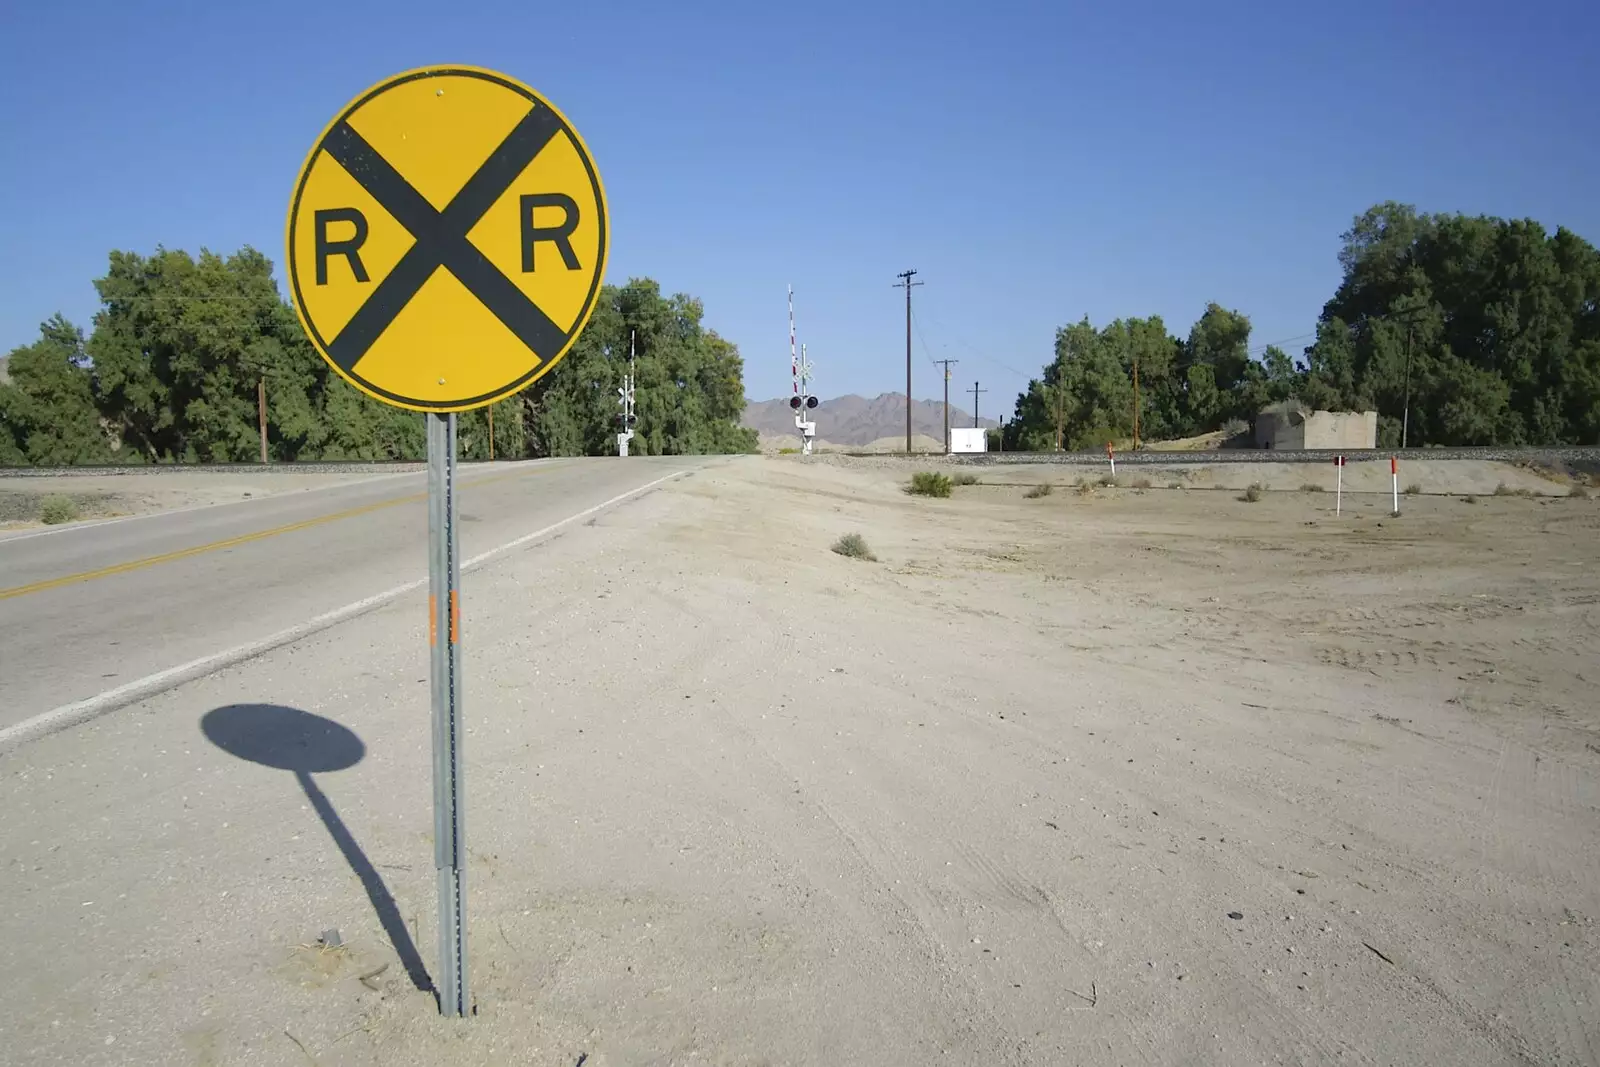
x,y
1034,161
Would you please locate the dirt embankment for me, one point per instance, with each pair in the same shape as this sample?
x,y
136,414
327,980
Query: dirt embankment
x,y
95,497
1417,477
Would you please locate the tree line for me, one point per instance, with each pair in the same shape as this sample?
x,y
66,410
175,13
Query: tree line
x,y
1487,329
181,345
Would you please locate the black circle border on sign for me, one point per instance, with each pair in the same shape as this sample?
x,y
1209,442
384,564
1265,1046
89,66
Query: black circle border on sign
x,y
546,364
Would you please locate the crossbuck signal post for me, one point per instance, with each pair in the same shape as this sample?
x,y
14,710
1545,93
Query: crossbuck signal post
x,y
504,316
802,400
625,399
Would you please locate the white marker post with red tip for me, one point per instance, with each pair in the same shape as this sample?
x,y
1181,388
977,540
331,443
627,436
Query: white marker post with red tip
x,y
1338,492
1394,475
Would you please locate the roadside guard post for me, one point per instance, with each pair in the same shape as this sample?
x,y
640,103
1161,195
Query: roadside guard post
x,y
447,238
1394,476
1338,491
1112,456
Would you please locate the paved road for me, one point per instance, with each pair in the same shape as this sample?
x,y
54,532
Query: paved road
x,y
89,609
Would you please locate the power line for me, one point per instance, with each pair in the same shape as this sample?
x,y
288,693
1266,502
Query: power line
x,y
917,322
972,351
1261,348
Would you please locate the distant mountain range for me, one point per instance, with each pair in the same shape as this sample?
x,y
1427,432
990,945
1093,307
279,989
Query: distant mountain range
x,y
856,420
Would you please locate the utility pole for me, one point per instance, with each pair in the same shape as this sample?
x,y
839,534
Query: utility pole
x,y
945,363
1405,418
905,277
261,412
1409,317
1136,401
1061,406
975,392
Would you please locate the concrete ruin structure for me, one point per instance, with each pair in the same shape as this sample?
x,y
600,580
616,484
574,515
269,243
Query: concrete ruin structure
x,y
1320,430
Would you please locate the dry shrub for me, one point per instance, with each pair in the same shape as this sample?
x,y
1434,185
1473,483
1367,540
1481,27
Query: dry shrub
x,y
854,546
1505,490
57,509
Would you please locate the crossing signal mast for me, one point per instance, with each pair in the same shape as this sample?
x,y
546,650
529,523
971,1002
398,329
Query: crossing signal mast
x,y
802,400
625,399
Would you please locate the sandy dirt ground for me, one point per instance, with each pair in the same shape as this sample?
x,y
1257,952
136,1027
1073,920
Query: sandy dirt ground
x,y
100,497
791,442
1126,777
1361,475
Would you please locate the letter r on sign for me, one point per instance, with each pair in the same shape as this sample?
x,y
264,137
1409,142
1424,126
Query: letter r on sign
x,y
560,235
349,247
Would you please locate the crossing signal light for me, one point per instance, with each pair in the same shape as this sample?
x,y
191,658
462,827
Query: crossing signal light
x,y
811,401
796,402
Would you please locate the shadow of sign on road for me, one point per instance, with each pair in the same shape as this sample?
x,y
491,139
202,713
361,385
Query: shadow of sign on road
x,y
306,744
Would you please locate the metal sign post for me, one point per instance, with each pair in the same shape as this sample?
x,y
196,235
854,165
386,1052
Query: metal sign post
x,y
444,642
456,174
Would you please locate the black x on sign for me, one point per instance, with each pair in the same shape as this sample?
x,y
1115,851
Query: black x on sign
x,y
447,239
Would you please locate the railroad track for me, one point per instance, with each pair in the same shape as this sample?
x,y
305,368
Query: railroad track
x,y
1563,454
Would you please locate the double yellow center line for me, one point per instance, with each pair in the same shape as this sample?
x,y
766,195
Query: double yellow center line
x,y
243,539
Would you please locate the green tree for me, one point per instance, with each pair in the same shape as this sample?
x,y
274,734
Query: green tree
x,y
1484,325
361,429
689,381
510,432
47,410
180,346
1204,399
1220,339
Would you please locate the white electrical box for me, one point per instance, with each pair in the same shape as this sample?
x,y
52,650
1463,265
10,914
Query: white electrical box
x,y
969,439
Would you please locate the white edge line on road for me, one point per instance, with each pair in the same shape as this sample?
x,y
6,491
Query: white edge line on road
x,y
81,711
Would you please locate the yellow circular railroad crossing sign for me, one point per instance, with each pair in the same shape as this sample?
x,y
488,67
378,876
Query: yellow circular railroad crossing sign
x,y
446,239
